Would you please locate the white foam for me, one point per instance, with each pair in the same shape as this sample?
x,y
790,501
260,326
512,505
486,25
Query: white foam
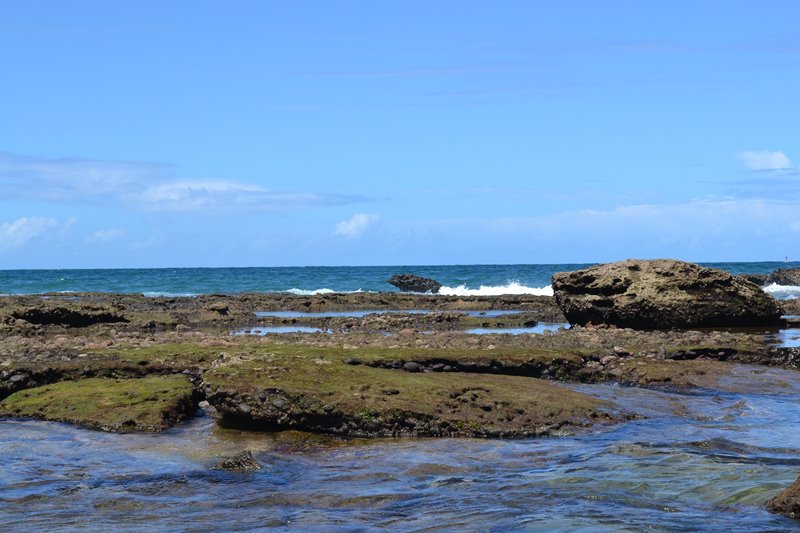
x,y
169,294
303,292
491,290
783,292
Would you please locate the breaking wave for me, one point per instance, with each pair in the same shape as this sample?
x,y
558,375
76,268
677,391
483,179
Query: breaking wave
x,y
492,290
783,292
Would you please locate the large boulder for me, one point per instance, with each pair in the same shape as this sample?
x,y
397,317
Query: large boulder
x,y
787,502
661,294
785,276
412,283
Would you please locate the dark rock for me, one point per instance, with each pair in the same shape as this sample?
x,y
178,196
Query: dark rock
x,y
353,361
662,294
411,366
758,279
242,461
412,283
80,316
787,502
784,276
243,408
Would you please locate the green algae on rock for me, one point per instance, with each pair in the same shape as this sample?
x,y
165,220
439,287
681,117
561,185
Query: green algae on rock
x,y
122,405
325,394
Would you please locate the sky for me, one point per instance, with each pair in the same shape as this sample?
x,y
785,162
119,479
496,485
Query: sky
x,y
266,133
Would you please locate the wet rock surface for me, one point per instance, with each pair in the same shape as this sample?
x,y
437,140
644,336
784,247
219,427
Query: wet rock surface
x,y
661,294
241,462
787,502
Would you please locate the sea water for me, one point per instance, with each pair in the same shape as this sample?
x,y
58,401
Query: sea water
x,y
462,280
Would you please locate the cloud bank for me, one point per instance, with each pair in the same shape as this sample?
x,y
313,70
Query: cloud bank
x,y
143,186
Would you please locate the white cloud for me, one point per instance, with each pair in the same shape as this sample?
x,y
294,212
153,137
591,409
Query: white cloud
x,y
356,226
24,229
142,185
198,195
765,160
106,235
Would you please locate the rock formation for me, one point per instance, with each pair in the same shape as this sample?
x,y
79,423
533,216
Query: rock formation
x,y
662,294
412,283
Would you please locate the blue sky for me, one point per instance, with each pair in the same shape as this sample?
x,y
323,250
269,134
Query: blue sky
x,y
138,134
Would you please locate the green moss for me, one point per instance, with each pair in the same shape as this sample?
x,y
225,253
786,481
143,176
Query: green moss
x,y
379,400
144,404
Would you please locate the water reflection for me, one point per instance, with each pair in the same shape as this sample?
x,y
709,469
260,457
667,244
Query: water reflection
x,y
539,328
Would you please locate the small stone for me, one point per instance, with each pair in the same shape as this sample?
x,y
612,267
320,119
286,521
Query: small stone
x,y
277,403
619,350
608,359
411,366
243,408
17,378
353,361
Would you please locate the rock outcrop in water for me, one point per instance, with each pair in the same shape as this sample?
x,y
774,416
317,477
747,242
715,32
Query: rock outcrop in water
x,y
787,502
413,283
662,294
241,462
784,276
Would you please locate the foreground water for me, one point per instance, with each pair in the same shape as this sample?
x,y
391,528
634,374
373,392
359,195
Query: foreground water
x,y
457,279
704,461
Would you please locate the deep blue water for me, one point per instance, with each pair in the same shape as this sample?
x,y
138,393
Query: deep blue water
x,y
190,281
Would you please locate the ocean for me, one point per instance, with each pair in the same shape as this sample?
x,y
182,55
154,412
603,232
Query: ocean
x,y
456,279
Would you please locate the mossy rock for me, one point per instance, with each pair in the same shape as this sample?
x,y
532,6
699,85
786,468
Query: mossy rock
x,y
121,405
321,394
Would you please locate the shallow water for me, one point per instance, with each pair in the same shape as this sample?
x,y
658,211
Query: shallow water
x,y
266,330
700,462
362,314
539,328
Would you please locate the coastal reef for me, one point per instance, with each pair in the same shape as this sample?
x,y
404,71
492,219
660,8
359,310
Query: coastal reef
x,y
368,365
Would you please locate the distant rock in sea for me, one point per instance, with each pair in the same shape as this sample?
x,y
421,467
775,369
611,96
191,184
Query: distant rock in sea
x,y
662,294
413,283
784,276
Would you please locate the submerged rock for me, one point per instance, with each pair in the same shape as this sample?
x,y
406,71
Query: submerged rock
x,y
787,502
662,294
242,462
412,283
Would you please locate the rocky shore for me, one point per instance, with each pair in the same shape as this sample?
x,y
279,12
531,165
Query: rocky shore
x,y
402,366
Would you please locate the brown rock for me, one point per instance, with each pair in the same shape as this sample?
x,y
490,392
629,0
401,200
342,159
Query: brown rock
x,y
661,294
787,502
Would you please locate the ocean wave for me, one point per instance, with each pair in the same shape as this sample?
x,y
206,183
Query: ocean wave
x,y
783,292
156,294
496,290
314,292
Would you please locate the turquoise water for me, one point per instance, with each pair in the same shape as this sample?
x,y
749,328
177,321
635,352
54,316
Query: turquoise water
x,y
304,280
704,461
